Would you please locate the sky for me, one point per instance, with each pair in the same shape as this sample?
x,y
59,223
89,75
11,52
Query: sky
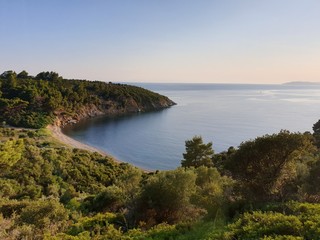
x,y
169,41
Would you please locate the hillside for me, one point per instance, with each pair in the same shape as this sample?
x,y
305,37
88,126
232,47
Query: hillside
x,y
47,98
51,191
266,188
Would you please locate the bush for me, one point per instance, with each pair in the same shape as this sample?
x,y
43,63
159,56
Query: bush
x,y
96,225
258,224
292,220
110,199
44,214
166,197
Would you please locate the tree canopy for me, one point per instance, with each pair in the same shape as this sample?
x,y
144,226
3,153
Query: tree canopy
x,y
197,153
316,133
267,166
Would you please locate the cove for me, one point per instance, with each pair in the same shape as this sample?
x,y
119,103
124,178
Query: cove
x,y
226,114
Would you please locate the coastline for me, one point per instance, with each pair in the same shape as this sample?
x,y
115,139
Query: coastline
x,y
57,134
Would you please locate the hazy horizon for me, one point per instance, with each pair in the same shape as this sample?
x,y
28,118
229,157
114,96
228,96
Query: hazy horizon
x,y
178,41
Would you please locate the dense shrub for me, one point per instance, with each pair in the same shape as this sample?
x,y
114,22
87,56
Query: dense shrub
x,y
258,224
293,220
53,192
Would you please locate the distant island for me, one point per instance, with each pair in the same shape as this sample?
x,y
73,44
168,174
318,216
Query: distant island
x,y
301,83
47,98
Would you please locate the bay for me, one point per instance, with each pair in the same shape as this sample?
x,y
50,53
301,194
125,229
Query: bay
x,y
226,114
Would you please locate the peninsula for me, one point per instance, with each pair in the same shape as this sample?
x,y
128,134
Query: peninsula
x,y
47,98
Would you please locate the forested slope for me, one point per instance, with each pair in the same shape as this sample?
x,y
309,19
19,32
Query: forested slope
x,y
38,101
267,188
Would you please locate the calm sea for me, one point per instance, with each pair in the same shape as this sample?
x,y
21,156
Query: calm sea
x,y
226,114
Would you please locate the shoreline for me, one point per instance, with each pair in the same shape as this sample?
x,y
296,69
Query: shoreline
x,y
57,134
61,137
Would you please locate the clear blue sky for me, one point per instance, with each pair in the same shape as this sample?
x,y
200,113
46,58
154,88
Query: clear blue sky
x,y
249,41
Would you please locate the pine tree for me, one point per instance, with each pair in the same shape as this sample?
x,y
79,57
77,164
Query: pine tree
x,y
197,153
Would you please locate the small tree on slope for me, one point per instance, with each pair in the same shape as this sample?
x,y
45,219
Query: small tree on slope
x,y
197,153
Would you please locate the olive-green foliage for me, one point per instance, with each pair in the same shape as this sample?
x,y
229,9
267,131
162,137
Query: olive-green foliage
x,y
40,175
282,237
34,168
11,152
121,196
210,230
34,101
99,227
5,225
160,231
312,186
197,153
161,197
292,220
183,231
220,159
259,224
49,191
46,214
309,215
96,225
111,199
213,192
129,183
166,197
316,133
272,167
184,194
31,219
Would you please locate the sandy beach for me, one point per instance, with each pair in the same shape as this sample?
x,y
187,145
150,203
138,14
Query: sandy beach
x,y
57,134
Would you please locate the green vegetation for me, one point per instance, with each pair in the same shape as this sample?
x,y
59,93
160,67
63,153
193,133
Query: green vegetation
x,y
53,192
197,153
35,102
267,188
292,220
49,191
273,167
316,134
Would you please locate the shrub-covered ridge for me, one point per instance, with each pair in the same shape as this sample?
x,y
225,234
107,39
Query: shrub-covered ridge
x,y
35,102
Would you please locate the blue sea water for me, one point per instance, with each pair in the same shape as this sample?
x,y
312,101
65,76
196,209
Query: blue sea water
x,y
226,114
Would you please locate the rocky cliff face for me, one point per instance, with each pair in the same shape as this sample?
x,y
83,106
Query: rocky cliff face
x,y
111,108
